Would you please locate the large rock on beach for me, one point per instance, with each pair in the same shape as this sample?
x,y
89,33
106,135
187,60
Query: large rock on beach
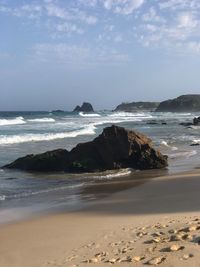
x,y
114,148
55,160
184,103
86,107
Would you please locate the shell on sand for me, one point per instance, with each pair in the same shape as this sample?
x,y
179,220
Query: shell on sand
x,y
156,240
158,234
101,254
156,260
94,260
112,260
124,259
141,234
172,231
190,228
187,256
151,249
193,228
176,247
137,258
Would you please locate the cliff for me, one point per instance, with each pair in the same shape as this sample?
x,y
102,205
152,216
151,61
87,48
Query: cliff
x,y
184,103
137,106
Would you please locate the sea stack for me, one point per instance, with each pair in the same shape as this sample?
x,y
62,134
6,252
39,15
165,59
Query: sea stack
x,y
86,107
114,148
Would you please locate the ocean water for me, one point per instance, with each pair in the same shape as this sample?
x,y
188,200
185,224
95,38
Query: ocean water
x,y
22,133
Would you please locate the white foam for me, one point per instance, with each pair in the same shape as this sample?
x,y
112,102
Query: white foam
x,y
42,120
186,154
129,114
16,139
17,120
2,197
196,141
89,115
195,127
121,173
45,191
164,143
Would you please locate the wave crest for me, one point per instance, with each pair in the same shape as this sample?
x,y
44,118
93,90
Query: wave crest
x,y
42,120
15,121
16,139
87,115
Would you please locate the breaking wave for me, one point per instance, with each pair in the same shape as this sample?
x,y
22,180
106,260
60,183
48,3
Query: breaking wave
x,y
111,175
42,120
164,143
186,154
2,197
17,120
132,116
44,191
89,115
16,139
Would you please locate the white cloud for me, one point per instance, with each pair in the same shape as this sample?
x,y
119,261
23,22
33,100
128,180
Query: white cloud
x,y
170,24
75,14
30,11
89,3
165,24
68,28
56,11
124,7
77,56
152,16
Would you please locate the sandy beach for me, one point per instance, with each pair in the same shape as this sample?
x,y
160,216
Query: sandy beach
x,y
155,223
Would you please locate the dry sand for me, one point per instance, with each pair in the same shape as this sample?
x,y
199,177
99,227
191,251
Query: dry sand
x,y
156,223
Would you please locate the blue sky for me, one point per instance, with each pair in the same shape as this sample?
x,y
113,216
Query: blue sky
x,y
56,53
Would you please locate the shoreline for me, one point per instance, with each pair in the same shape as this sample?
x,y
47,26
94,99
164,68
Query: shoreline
x,y
84,197
52,238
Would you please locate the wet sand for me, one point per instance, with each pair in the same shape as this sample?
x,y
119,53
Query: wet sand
x,y
118,230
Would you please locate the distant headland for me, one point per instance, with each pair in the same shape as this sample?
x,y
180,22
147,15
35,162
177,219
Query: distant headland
x,y
183,103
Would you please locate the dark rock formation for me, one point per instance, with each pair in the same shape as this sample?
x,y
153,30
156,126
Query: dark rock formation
x,y
55,160
196,121
57,111
156,122
195,144
137,106
86,107
184,103
115,148
186,124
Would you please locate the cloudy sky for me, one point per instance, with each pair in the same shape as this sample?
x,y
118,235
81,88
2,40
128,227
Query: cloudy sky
x,y
58,53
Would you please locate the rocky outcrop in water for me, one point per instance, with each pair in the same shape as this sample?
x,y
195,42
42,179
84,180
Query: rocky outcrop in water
x,y
57,111
137,106
86,107
115,148
184,103
196,121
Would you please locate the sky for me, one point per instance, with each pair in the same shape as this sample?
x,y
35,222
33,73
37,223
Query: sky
x,y
55,54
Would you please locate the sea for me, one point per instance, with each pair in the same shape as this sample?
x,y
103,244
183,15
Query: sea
x,y
25,194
